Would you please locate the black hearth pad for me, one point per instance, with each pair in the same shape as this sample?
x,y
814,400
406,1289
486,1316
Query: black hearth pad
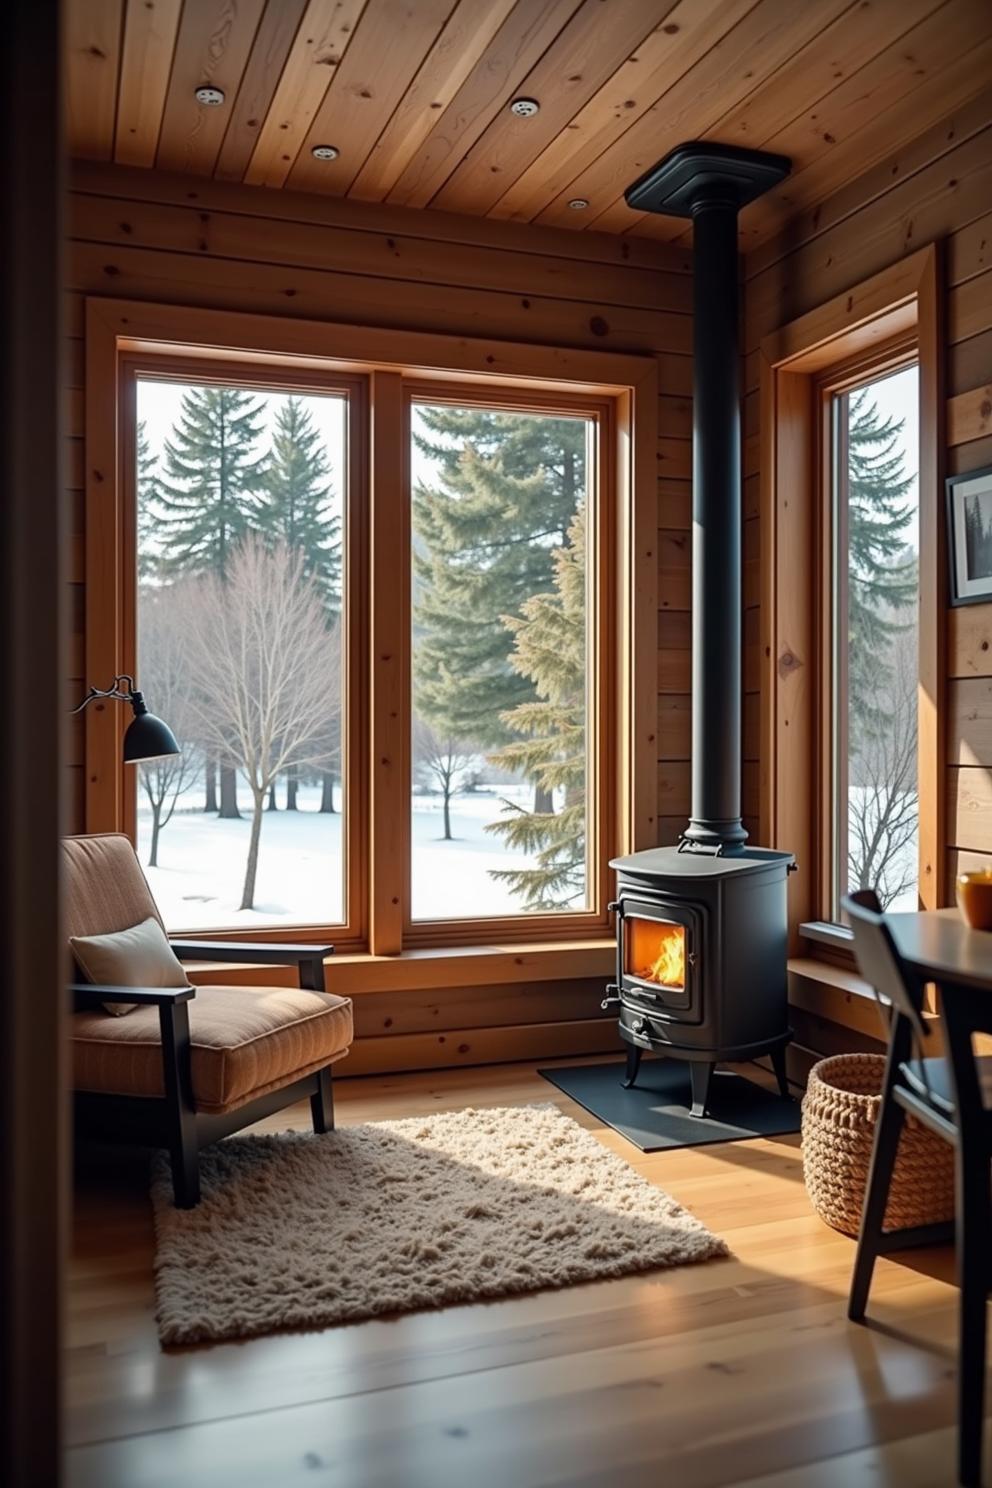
x,y
654,1113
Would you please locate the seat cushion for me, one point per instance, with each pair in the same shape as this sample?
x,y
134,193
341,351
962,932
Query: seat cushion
x,y
931,1079
245,1042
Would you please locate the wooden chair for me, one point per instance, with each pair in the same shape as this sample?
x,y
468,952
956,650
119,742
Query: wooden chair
x,y
190,1065
952,1097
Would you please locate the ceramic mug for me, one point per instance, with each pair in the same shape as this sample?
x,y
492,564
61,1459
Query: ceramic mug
x,y
974,896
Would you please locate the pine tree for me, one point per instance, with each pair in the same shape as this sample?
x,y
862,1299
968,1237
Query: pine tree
x,y
549,639
508,487
211,467
882,579
295,505
204,502
147,489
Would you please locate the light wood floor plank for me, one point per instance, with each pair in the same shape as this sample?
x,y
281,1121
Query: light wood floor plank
x,y
740,1372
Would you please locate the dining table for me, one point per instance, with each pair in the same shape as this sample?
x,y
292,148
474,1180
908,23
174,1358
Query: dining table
x,y
939,946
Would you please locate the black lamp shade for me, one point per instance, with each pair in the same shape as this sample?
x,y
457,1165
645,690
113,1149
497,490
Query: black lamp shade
x,y
148,738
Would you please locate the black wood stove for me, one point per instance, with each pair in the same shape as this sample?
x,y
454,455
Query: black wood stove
x,y
702,927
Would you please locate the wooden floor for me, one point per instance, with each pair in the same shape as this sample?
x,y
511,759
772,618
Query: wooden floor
x,y
741,1371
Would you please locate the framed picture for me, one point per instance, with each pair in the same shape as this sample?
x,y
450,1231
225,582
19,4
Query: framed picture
x,y
969,536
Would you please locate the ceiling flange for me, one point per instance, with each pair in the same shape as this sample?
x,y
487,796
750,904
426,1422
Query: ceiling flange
x,y
696,171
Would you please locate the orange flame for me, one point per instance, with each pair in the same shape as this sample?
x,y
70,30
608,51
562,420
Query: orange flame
x,y
668,968
656,952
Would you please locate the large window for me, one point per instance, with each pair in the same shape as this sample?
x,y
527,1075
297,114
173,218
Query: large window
x,y
388,613
874,796
241,589
503,661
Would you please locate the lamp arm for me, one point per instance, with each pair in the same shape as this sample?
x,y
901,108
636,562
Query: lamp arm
x,y
113,691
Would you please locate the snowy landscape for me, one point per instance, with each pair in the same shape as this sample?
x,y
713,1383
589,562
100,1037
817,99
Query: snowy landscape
x,y
197,884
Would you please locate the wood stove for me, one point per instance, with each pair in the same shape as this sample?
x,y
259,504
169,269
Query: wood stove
x,y
702,927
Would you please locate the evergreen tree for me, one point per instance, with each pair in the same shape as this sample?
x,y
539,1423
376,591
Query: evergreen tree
x,y
295,506
204,501
882,579
211,467
147,488
549,639
483,544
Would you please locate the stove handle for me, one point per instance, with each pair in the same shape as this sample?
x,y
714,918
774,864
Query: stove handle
x,y
616,907
612,998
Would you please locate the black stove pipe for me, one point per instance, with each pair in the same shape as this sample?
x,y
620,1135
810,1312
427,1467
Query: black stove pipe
x,y
710,183
716,529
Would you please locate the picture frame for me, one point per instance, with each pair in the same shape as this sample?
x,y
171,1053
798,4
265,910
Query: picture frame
x,y
969,536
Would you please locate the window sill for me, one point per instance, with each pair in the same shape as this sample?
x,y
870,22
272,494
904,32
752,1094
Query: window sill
x,y
823,932
463,966
832,992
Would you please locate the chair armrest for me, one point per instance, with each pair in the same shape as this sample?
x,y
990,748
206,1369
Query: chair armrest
x,y
269,953
308,959
92,994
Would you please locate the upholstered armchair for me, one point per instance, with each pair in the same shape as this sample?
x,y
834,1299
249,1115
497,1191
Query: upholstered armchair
x,y
172,1065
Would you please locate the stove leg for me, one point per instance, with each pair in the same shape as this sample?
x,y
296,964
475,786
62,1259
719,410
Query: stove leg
x,y
633,1065
700,1074
781,1075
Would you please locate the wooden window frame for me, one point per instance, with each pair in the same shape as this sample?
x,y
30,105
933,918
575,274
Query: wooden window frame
x,y
871,328
122,336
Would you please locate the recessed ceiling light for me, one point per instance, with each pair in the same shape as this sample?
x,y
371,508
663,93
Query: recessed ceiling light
x,y
211,97
578,203
325,152
525,108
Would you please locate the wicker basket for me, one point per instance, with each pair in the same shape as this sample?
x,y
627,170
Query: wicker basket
x,y
840,1109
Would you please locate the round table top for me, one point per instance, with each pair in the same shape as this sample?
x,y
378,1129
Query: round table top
x,y
938,945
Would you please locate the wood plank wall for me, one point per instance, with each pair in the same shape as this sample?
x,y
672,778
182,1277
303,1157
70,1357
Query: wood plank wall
x,y
143,235
937,187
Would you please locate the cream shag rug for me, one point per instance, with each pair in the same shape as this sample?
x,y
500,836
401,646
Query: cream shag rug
x,y
299,1231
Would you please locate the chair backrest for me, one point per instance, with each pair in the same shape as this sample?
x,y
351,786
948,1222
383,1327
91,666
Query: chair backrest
x,y
879,961
103,886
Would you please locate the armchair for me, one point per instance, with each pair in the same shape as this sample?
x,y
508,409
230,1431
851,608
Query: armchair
x,y
188,1066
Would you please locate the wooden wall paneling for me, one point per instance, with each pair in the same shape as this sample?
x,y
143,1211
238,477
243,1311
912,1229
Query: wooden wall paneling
x,y
860,194
92,46
467,34
449,230
212,49
742,58
315,294
914,82
205,231
150,32
315,56
969,415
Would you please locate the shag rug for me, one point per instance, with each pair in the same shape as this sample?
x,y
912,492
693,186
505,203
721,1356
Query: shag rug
x,y
301,1231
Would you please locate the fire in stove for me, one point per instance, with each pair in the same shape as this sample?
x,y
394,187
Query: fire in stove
x,y
656,952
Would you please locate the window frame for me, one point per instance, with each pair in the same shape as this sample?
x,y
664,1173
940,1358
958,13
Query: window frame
x,y
896,315
384,367
575,924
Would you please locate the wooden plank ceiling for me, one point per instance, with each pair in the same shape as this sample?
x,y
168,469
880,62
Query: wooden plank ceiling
x,y
415,94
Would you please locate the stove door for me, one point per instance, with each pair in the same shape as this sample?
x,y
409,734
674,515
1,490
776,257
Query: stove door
x,y
659,948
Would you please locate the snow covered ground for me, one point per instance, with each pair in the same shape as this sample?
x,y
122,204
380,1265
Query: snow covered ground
x,y
202,862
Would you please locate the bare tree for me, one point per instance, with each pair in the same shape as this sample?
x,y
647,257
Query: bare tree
x,y
441,760
161,655
258,645
883,803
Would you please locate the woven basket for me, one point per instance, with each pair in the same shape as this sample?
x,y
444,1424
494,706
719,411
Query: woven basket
x,y
840,1110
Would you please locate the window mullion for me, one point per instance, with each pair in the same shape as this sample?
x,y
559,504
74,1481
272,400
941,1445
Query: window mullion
x,y
389,847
